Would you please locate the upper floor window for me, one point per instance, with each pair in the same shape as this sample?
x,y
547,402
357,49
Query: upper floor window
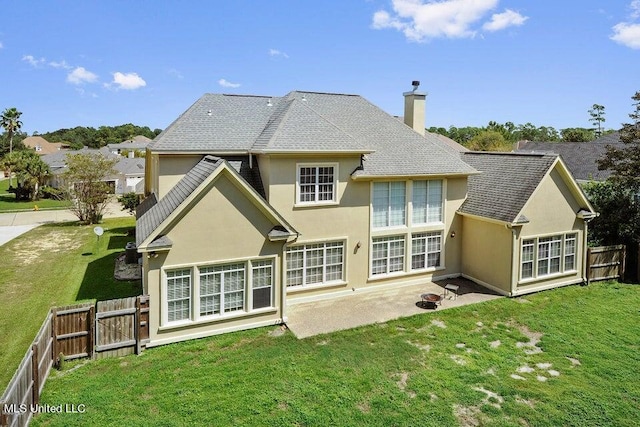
x,y
389,204
427,201
317,184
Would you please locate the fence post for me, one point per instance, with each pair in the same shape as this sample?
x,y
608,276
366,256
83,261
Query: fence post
x,y
623,263
136,327
35,373
588,266
91,331
54,336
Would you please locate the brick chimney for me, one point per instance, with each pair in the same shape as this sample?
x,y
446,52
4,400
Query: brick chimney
x,y
414,108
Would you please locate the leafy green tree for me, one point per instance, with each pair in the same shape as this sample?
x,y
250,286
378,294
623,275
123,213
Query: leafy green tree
x,y
85,175
577,135
597,118
619,219
10,121
31,173
129,201
625,162
488,140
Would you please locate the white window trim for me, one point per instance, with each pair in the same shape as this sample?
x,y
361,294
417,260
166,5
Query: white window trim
x,y
408,230
195,316
333,201
407,202
536,240
426,253
443,190
324,283
387,273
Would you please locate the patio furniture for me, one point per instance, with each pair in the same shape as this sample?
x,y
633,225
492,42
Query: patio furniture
x,y
430,300
449,287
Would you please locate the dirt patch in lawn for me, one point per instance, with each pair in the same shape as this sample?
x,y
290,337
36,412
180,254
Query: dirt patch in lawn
x,y
29,251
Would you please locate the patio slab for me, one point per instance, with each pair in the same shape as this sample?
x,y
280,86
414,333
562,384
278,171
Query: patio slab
x,y
368,307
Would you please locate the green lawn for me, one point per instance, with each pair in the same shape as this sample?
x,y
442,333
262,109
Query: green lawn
x,y
567,357
55,264
8,202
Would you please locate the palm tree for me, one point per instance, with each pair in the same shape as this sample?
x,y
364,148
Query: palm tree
x,y
10,121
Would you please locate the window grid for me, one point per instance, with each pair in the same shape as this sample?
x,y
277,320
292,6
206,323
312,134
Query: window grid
x,y
550,255
178,295
316,184
427,202
387,255
315,264
389,204
426,250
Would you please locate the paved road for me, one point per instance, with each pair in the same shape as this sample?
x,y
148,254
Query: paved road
x,y
14,224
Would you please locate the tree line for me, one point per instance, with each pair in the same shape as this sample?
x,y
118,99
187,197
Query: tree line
x,y
81,136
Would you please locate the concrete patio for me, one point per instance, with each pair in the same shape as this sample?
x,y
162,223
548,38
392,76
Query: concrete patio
x,y
369,307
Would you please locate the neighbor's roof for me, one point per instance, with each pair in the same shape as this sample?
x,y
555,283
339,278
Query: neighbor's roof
x,y
136,143
505,183
46,147
581,158
307,122
160,211
57,160
130,166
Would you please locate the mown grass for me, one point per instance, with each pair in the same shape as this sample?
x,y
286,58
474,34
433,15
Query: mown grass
x,y
8,202
53,265
433,369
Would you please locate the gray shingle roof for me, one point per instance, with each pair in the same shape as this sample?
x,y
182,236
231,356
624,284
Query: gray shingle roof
x,y
130,166
155,215
505,183
581,158
309,121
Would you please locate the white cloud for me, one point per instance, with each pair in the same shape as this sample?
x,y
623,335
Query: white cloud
x,y
225,83
33,61
635,9
276,52
500,21
627,34
421,21
80,75
62,64
129,81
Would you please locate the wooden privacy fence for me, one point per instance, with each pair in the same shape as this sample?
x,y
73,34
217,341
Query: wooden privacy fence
x,y
605,262
108,328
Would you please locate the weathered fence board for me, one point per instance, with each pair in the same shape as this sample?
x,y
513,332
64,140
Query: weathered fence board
x,y
605,262
114,328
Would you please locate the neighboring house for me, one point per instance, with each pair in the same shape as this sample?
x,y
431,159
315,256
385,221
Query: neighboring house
x,y
580,157
41,145
130,147
129,176
256,203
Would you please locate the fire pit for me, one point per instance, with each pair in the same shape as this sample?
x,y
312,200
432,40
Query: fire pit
x,y
431,300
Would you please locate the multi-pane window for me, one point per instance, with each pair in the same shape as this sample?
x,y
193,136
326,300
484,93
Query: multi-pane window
x,y
549,253
219,289
544,256
389,204
261,283
222,289
426,250
315,263
316,184
570,252
427,202
527,258
178,295
387,255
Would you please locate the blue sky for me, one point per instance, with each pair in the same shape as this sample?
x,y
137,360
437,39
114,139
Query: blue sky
x,y
93,63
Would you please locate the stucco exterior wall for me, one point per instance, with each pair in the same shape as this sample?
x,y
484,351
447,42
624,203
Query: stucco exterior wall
x,y
171,168
552,210
222,226
486,253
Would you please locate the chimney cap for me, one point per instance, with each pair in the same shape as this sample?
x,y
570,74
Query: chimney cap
x,y
415,84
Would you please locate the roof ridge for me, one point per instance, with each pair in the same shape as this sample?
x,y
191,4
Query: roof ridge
x,y
277,117
306,104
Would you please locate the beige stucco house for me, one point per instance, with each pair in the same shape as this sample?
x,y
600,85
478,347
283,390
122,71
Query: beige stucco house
x,y
256,203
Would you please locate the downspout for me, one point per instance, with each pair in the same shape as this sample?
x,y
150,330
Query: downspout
x,y
585,273
514,253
